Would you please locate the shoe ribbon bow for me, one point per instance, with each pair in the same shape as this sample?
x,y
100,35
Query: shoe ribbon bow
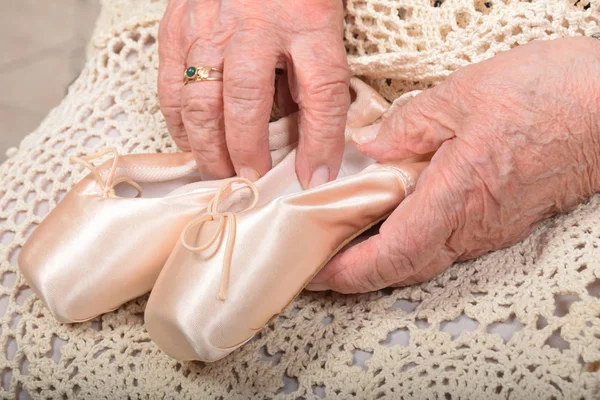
x,y
227,225
108,185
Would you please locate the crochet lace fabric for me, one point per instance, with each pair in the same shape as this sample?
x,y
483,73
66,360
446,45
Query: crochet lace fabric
x,y
518,323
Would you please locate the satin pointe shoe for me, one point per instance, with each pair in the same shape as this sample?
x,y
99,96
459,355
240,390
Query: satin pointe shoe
x,y
248,257
234,270
97,250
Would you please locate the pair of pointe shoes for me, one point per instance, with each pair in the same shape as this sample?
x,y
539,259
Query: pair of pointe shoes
x,y
220,260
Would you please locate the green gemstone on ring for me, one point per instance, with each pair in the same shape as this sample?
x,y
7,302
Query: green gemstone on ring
x,y
190,72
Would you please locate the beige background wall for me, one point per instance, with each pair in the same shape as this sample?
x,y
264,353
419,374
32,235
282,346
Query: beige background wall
x,y
42,50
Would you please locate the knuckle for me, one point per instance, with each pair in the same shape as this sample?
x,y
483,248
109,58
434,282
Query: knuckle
x,y
171,113
248,96
418,115
209,153
247,81
399,266
392,263
178,134
376,279
241,152
349,281
326,137
423,123
199,124
210,136
326,141
324,109
329,98
203,111
412,118
203,101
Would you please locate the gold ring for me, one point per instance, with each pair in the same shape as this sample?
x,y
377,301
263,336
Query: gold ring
x,y
199,74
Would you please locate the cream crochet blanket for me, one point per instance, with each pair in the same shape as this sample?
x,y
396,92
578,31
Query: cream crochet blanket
x,y
519,323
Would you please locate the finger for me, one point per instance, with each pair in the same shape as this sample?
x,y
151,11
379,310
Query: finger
x,y
321,80
412,238
202,111
419,126
446,258
248,98
171,64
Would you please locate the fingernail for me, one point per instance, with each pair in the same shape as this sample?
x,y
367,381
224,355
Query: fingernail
x,y
316,287
249,173
319,177
366,134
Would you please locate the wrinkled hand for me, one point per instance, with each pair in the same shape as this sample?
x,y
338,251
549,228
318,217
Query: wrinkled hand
x,y
225,124
517,139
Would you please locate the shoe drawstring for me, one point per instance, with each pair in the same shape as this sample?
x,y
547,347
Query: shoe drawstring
x,y
108,185
227,225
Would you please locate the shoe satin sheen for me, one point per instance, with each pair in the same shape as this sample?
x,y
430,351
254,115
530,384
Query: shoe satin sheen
x,y
93,252
224,281
96,250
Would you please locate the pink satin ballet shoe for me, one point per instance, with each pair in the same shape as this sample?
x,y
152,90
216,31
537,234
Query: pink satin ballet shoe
x,y
97,250
246,259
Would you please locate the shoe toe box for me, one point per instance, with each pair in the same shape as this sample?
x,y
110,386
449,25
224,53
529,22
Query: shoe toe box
x,y
182,336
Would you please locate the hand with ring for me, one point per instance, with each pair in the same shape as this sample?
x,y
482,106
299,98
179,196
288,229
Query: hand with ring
x,y
216,82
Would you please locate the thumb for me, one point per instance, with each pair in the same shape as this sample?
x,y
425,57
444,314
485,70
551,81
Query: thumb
x,y
411,244
412,126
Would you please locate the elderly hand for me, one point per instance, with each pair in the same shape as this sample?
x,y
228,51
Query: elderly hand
x,y
225,124
517,139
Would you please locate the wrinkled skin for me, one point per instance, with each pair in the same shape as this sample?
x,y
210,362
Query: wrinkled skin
x,y
225,124
517,139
